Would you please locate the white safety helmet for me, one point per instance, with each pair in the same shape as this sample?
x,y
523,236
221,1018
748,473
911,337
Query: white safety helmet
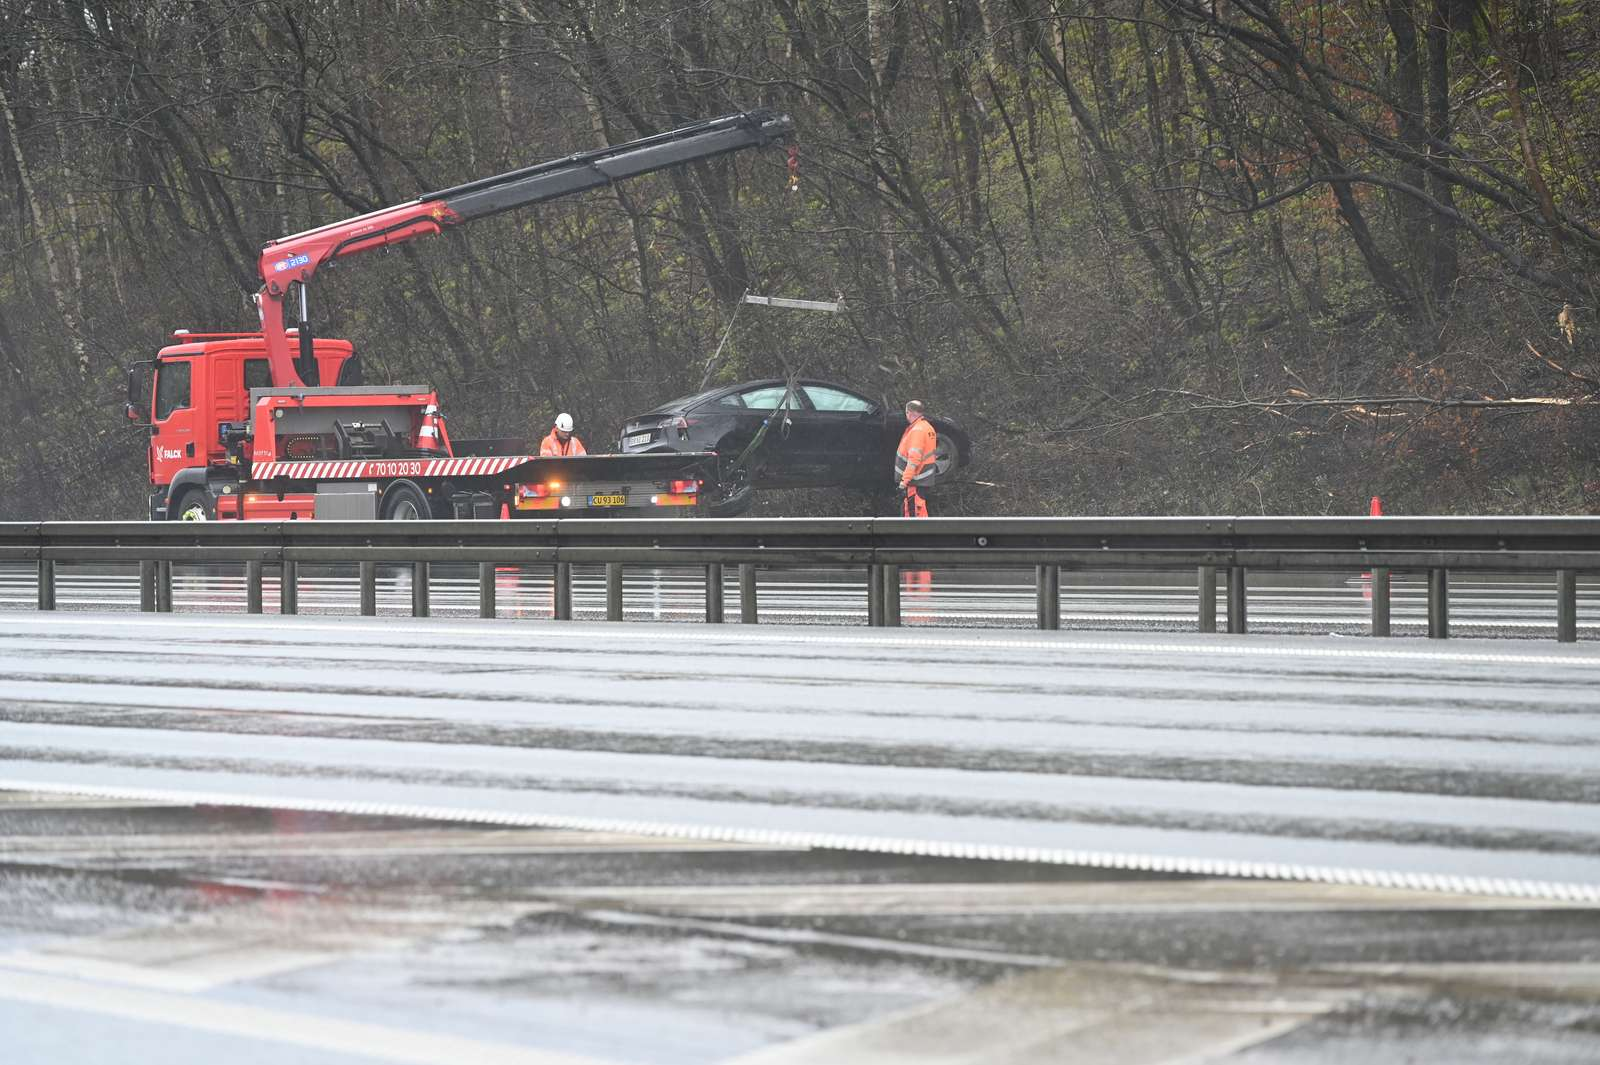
x,y
564,422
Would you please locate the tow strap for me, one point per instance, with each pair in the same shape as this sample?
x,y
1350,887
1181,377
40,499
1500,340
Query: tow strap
x,y
783,408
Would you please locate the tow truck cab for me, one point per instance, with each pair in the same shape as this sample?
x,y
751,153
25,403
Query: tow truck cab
x,y
199,407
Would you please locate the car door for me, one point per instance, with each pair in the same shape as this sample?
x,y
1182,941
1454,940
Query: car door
x,y
777,459
843,436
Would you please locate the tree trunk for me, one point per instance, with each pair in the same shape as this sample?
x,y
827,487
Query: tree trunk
x,y
1446,266
58,288
1511,75
1414,225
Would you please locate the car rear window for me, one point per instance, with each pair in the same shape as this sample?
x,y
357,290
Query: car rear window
x,y
765,398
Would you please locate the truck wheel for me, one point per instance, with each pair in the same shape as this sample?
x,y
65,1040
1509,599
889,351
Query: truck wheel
x,y
404,501
193,505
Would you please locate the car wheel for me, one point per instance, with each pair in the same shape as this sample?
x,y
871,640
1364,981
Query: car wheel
x,y
946,458
404,501
193,505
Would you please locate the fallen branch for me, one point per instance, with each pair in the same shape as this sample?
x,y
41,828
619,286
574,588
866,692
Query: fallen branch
x,y
1371,407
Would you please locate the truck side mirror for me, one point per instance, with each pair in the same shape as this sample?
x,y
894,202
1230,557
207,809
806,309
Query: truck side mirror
x,y
135,377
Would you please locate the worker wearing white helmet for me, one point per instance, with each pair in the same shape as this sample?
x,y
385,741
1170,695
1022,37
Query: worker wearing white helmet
x,y
561,443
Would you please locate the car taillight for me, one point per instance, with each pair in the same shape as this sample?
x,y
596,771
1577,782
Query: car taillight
x,y
538,491
684,488
680,422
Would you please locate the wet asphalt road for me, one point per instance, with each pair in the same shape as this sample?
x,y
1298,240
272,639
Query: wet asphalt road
x,y
167,932
1393,761
666,881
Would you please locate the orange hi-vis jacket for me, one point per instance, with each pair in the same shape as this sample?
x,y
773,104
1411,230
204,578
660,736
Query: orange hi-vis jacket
x,y
551,446
915,457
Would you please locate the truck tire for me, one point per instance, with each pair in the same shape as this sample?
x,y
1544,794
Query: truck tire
x,y
193,504
405,501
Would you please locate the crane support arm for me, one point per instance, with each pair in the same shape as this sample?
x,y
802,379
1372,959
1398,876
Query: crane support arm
x,y
297,258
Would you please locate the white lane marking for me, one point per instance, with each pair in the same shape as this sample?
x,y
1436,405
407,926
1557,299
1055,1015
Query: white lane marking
x,y
589,632
1088,1014
1088,897
812,937
409,843
1569,979
250,940
192,975
279,1026
1384,878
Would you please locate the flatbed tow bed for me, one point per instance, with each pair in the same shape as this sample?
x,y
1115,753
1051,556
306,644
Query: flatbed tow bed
x,y
481,486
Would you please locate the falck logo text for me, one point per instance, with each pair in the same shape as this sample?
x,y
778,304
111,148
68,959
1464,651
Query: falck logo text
x,y
290,263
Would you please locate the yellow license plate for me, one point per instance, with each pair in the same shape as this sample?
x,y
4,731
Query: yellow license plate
x,y
608,501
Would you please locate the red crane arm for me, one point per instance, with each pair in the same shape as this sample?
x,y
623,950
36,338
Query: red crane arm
x,y
297,258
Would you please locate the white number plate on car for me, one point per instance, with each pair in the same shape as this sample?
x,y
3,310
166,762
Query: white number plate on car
x,y
637,438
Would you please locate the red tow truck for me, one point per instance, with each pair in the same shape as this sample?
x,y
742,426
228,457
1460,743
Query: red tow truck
x,y
243,427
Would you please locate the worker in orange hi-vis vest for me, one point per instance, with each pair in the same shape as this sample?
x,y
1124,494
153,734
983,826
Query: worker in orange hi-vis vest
x,y
913,462
561,443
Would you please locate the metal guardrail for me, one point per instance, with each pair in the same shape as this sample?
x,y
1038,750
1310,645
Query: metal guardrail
x,y
1216,548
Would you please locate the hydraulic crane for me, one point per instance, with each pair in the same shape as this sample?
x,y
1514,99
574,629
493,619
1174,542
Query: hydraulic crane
x,y
296,259
242,425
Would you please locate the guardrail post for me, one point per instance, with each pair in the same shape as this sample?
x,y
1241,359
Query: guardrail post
x,y
252,587
1237,623
1047,590
369,589
613,591
289,588
714,593
1380,600
147,587
891,596
1567,605
563,591
1207,581
747,593
164,587
1438,604
874,595
419,589
486,589
47,584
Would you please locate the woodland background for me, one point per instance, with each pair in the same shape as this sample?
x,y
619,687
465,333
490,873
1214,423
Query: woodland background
x,y
1159,256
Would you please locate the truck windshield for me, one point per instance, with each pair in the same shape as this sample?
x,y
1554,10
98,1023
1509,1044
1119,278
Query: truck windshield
x,y
172,388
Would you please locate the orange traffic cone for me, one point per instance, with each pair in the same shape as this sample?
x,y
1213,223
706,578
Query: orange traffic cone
x,y
1375,510
505,511
428,434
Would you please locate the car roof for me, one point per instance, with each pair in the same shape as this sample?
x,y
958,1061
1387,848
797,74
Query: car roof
x,y
684,402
